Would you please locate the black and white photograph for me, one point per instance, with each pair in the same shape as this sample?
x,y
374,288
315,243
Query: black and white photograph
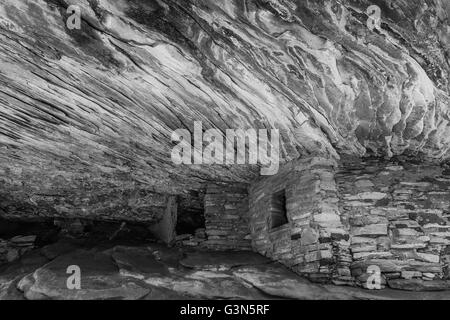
x,y
220,157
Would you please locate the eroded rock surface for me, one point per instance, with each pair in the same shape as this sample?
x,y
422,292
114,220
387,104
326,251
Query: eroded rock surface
x,y
155,272
86,115
100,280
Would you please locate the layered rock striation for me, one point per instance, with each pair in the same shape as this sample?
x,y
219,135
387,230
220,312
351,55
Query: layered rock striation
x,y
86,115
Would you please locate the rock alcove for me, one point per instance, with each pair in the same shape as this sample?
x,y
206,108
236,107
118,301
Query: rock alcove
x,y
87,116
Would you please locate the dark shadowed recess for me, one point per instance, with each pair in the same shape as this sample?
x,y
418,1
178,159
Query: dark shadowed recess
x,y
45,230
93,232
191,214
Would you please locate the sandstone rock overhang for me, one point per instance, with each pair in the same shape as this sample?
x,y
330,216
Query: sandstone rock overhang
x,y
86,115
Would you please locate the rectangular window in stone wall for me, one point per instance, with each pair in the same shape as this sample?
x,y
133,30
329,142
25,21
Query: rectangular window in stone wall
x,y
278,212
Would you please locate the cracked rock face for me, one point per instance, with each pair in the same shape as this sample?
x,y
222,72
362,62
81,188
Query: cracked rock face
x,y
160,273
86,116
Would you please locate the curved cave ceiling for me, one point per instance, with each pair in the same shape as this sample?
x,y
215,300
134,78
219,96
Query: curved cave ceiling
x,y
87,115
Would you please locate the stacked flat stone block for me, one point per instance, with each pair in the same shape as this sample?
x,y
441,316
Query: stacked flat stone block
x,y
14,248
397,216
342,221
226,218
314,242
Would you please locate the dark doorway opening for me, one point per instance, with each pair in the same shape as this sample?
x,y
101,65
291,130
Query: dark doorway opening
x,y
191,213
278,212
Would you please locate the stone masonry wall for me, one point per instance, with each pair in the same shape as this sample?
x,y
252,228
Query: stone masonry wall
x,y
226,218
313,243
398,219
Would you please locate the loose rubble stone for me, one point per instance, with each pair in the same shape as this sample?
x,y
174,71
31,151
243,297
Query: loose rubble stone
x,y
222,261
13,249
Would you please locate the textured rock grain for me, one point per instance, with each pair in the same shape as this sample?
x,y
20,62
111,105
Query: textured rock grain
x,y
86,115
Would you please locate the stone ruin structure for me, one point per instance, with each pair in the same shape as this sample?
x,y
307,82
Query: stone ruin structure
x,y
331,221
88,112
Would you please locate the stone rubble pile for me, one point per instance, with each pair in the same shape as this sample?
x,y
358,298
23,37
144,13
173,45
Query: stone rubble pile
x,y
195,240
14,248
